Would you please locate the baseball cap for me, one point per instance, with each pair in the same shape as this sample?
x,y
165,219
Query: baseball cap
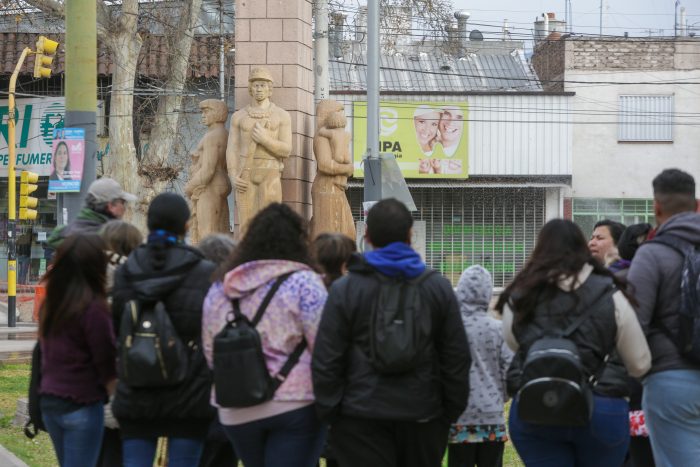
x,y
106,189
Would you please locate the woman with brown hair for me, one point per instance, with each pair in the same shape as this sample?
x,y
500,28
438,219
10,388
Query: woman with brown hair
x,y
78,350
332,252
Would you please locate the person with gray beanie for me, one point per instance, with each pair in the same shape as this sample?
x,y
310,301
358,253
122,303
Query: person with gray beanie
x,y
478,437
165,269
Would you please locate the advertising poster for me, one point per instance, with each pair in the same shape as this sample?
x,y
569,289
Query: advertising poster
x,y
67,160
35,122
428,139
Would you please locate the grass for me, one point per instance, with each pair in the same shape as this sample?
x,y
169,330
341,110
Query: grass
x,y
14,384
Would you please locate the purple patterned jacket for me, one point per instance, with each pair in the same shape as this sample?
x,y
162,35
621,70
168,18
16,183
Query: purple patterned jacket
x,y
293,313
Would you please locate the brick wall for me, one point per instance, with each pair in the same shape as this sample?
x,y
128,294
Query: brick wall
x,y
625,54
277,34
548,62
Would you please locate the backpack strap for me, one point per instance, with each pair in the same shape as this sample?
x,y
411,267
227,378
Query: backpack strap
x,y
268,298
293,359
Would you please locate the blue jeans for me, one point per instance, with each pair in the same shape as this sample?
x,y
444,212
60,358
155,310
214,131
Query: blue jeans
x,y
603,442
291,439
76,435
672,409
182,452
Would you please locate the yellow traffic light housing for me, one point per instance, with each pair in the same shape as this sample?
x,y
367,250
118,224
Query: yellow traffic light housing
x,y
27,186
45,51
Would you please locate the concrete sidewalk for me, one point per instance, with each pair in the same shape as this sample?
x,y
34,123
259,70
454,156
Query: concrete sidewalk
x,y
7,459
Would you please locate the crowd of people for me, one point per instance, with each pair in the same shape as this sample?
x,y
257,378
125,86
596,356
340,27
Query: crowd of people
x,y
373,359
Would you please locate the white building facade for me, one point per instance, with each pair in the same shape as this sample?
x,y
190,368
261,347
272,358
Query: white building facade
x,y
635,112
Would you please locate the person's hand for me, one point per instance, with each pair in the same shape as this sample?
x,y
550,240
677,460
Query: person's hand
x,y
240,184
424,166
436,165
259,134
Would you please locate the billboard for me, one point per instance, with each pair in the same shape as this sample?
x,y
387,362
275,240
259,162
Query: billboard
x,y
35,122
67,160
428,139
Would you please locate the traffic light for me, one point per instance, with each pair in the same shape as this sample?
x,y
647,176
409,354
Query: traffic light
x,y
27,203
45,51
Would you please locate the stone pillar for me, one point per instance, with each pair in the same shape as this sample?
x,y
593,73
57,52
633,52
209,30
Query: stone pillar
x,y
278,35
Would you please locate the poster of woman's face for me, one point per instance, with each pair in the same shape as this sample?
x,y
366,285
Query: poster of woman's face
x,y
426,121
67,160
61,163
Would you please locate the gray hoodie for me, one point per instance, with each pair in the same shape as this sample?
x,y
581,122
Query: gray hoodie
x,y
655,277
491,356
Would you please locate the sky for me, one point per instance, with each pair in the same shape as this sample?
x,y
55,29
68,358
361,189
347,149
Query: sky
x,y
619,16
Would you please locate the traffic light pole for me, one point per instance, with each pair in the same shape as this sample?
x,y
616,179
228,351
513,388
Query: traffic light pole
x,y
11,199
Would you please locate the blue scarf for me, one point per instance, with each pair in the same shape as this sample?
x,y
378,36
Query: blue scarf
x,y
163,237
396,259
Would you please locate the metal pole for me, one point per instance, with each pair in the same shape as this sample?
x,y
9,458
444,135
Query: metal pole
x,y
321,51
600,33
11,198
81,89
372,168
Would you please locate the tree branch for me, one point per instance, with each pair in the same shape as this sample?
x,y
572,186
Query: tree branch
x,y
50,6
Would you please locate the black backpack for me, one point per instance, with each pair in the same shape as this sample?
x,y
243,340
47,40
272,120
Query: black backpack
x,y
241,378
555,387
400,324
151,354
687,339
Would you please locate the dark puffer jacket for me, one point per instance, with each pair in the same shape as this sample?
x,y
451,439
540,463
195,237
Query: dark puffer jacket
x,y
345,382
181,282
595,337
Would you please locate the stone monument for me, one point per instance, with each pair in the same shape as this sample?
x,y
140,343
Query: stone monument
x,y
259,141
208,184
331,210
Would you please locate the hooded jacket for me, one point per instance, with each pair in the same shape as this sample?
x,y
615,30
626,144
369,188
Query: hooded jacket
x,y
180,279
87,221
491,356
655,278
346,383
293,314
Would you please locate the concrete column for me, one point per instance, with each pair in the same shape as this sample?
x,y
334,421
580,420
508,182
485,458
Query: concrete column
x,y
277,34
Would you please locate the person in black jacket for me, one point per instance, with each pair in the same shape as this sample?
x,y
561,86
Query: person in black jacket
x,y
560,282
168,270
389,419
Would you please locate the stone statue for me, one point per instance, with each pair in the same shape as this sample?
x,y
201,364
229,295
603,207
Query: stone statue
x,y
259,140
331,210
208,184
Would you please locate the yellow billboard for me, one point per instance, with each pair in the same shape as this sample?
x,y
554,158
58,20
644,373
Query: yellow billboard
x,y
428,139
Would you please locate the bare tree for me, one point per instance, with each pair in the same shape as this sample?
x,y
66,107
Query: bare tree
x,y
121,27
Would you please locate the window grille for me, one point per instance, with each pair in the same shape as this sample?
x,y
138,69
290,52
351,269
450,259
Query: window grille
x,y
494,227
645,118
587,211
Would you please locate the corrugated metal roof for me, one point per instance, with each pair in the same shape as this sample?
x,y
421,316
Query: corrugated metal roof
x,y
438,72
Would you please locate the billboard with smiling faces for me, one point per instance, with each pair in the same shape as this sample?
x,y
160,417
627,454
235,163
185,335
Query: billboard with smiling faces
x,y
428,139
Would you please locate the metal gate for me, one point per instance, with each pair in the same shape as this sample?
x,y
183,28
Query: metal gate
x,y
494,227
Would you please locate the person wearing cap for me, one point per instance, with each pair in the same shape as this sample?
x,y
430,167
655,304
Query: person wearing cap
x,y
426,121
105,200
259,141
165,269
